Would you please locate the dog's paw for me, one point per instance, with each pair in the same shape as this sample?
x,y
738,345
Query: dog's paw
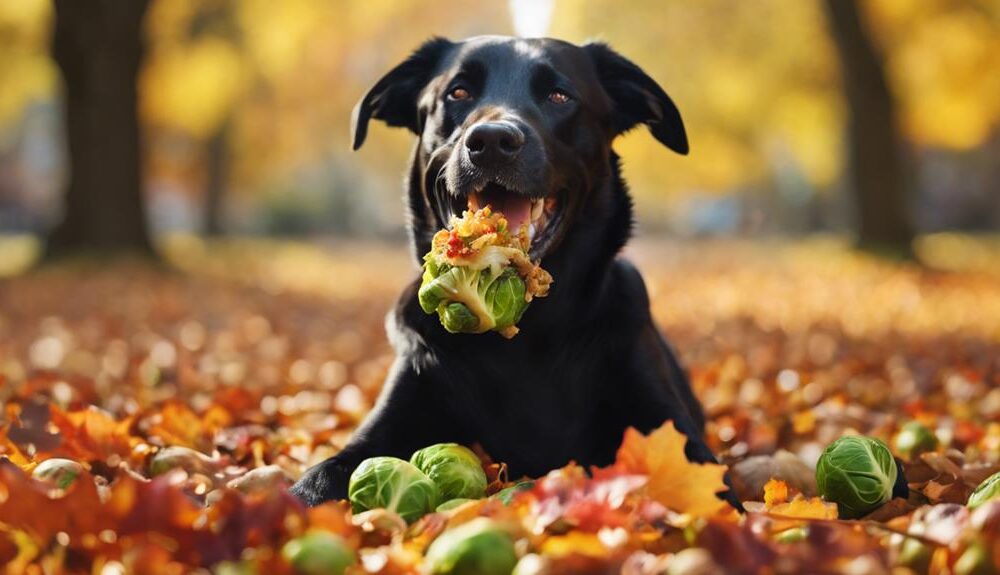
x,y
323,482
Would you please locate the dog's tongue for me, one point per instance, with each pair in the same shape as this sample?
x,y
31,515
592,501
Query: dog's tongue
x,y
514,207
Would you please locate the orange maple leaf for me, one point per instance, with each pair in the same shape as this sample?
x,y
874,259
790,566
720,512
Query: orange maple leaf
x,y
92,434
673,480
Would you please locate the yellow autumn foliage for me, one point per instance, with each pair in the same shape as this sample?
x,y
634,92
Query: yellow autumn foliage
x,y
758,83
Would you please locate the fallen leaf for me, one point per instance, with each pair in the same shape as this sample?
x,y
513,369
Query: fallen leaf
x,y
673,480
574,543
801,507
568,498
11,451
26,505
91,434
896,507
176,424
775,492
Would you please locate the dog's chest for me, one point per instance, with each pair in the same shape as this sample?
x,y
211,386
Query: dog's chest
x,y
527,404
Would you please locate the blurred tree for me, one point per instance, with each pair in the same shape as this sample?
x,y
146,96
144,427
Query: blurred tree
x,y
876,161
253,97
218,175
98,47
216,18
756,84
942,66
195,75
765,105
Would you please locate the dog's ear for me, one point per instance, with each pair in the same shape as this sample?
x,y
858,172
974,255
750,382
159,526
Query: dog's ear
x,y
393,99
637,98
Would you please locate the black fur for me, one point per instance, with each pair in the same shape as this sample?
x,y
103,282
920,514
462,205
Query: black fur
x,y
588,361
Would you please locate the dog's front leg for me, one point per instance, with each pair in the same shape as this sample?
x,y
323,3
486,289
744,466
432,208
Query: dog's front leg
x,y
656,395
403,420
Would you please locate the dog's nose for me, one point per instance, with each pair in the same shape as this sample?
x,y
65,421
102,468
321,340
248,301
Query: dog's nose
x,y
492,144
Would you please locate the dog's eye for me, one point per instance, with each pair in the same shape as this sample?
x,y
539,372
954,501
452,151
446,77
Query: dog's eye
x,y
558,97
459,93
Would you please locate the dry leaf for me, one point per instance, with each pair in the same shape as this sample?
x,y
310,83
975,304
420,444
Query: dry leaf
x,y
673,480
811,508
775,492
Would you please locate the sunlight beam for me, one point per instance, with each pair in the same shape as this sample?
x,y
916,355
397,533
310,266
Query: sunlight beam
x,y
531,18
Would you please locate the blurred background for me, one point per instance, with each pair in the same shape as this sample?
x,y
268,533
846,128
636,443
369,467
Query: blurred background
x,y
134,123
211,138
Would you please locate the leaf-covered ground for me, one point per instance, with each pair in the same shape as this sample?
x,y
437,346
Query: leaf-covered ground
x,y
259,359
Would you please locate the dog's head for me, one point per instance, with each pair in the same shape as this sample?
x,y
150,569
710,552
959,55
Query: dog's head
x,y
524,125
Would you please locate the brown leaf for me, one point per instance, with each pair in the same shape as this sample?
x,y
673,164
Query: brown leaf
x,y
896,507
950,492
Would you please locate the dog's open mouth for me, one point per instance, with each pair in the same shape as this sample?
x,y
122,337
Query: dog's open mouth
x,y
539,216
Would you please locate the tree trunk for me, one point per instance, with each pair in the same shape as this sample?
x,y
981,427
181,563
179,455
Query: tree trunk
x,y
218,173
876,164
98,46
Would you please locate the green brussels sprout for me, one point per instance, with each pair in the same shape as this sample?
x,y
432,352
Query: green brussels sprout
x,y
393,484
455,470
914,439
318,553
452,504
479,547
507,494
60,473
457,318
857,473
471,301
987,490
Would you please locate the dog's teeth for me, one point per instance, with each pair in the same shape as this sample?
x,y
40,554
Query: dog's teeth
x,y
531,232
536,209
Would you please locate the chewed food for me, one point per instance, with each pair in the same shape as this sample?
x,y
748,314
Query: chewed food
x,y
478,276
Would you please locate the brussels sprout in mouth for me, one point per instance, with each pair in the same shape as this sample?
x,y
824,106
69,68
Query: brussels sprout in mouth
x,y
478,277
541,216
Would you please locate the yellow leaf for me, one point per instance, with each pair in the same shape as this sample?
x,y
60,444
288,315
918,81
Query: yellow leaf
x,y
775,492
812,508
673,480
574,543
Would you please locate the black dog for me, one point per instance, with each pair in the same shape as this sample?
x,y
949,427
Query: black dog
x,y
527,125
